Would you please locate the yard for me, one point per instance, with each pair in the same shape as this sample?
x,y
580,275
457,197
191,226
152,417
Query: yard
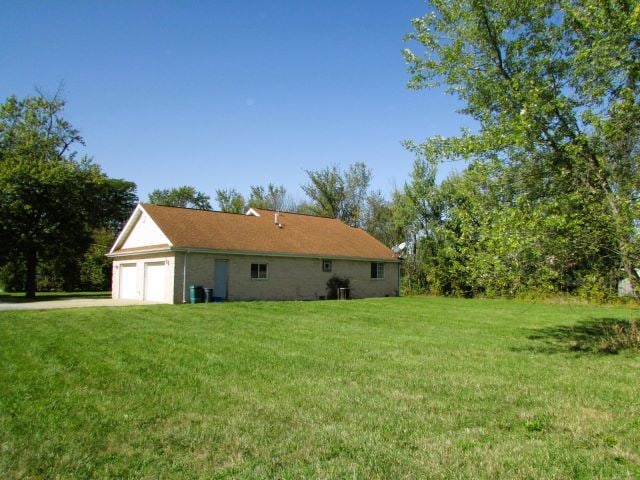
x,y
387,388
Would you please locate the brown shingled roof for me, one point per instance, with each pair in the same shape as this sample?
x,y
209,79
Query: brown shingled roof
x,y
303,235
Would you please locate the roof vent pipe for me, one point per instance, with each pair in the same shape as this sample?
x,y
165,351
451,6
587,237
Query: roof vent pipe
x,y
276,219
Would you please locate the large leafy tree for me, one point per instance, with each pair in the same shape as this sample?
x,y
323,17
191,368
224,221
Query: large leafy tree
x,y
272,197
230,201
554,87
50,202
340,194
184,196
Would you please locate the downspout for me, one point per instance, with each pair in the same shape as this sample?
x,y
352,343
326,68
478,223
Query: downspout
x,y
399,264
184,278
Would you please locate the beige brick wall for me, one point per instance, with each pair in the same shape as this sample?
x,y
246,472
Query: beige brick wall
x,y
288,278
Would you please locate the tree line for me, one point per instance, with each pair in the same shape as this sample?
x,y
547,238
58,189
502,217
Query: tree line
x,y
345,194
547,203
549,200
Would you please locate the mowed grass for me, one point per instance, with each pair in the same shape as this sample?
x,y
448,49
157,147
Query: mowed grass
x,y
380,388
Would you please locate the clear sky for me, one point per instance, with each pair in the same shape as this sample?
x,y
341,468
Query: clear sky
x,y
221,94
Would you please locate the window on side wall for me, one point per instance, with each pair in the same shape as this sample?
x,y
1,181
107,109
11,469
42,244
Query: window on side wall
x,y
259,271
326,265
377,270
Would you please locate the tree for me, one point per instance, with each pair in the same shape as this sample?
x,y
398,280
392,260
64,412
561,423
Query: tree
x,y
378,220
339,194
184,196
271,198
230,201
50,202
554,87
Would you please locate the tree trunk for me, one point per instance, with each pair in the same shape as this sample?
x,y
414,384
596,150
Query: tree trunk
x,y
32,262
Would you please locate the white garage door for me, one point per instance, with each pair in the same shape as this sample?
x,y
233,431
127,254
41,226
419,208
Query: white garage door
x,y
128,276
154,276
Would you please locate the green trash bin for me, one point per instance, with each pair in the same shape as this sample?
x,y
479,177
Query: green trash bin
x,y
196,294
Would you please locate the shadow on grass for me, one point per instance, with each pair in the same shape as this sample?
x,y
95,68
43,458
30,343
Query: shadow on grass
x,y
594,336
50,296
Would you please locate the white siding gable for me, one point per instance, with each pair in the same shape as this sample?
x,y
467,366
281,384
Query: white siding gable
x,y
144,233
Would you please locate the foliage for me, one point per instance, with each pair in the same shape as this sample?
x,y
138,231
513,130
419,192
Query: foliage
x,y
334,284
346,195
550,198
51,203
339,194
95,267
621,336
271,198
378,388
230,201
378,220
184,196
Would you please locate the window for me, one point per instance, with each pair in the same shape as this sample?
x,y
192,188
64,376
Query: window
x,y
326,265
259,271
377,270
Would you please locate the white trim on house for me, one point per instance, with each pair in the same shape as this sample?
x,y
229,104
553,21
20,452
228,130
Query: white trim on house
x,y
130,225
246,253
252,212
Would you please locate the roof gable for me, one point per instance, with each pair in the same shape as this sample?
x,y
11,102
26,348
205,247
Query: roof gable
x,y
139,232
261,233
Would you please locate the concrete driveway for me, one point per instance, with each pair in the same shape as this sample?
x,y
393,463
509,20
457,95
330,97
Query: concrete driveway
x,y
70,303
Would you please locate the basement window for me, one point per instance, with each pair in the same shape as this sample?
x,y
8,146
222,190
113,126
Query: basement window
x,y
259,271
377,270
326,265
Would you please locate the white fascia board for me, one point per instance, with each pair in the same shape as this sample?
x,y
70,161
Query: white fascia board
x,y
127,228
284,254
135,253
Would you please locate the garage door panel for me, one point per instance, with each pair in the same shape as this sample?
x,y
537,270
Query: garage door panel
x,y
128,281
154,281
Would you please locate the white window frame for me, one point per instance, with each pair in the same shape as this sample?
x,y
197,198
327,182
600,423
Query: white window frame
x,y
379,271
266,271
327,262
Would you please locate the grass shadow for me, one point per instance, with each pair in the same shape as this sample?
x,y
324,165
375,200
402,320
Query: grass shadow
x,y
51,296
594,336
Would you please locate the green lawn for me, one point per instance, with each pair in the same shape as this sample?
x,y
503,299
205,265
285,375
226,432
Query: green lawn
x,y
380,388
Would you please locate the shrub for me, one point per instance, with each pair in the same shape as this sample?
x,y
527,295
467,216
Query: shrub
x,y
621,336
333,284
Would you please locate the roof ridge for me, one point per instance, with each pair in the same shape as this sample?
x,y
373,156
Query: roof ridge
x,y
146,204
297,213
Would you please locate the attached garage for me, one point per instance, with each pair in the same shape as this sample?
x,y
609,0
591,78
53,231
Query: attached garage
x,y
128,281
148,280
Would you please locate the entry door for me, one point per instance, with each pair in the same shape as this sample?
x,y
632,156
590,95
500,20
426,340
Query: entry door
x,y
128,277
154,281
220,280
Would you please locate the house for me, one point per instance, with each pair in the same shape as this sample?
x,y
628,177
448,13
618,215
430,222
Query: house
x,y
261,255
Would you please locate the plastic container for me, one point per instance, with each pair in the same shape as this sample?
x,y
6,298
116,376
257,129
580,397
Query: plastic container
x,y
196,294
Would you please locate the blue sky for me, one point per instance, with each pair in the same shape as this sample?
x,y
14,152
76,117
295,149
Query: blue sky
x,y
221,94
